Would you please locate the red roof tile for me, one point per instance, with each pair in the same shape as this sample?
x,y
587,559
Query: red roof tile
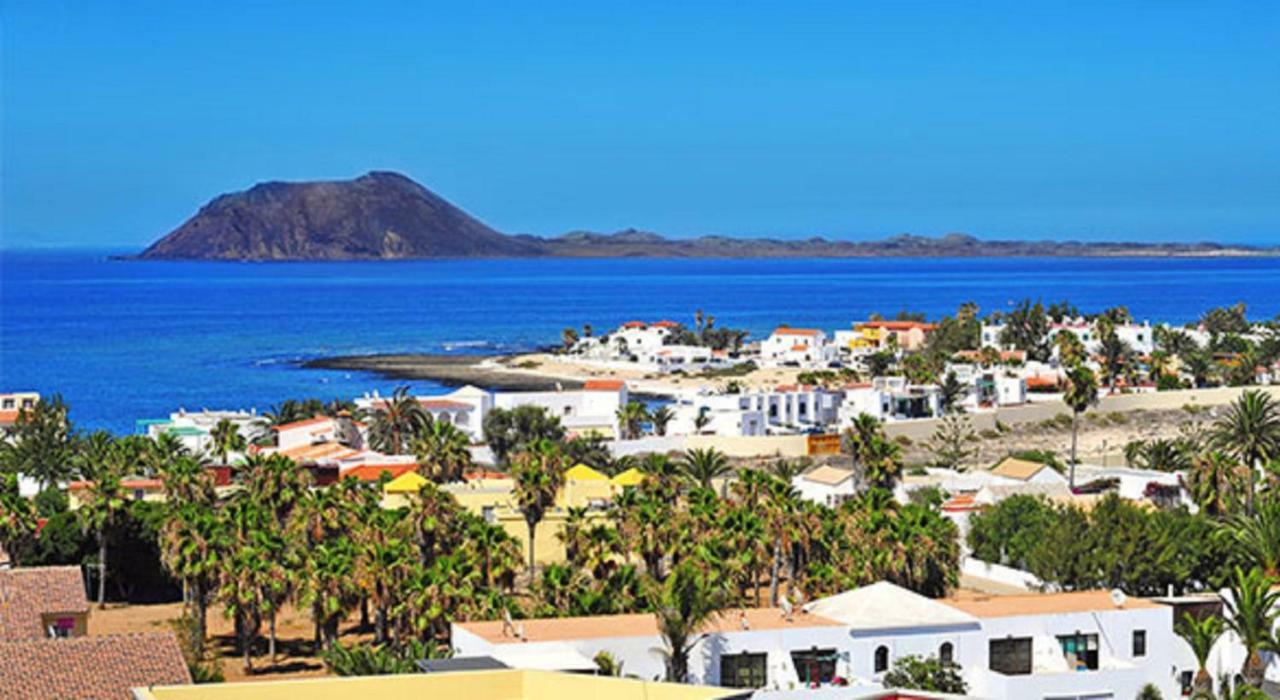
x,y
667,324
634,324
796,331
302,423
371,472
92,668
8,417
28,593
603,385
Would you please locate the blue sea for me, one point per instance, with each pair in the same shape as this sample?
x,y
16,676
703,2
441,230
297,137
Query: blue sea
x,y
128,340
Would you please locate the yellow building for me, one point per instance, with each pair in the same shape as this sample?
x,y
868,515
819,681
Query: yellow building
x,y
493,498
475,685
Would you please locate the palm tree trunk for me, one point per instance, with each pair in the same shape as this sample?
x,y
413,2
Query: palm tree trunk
x,y
1075,429
202,613
1253,478
532,562
380,624
271,640
102,568
775,572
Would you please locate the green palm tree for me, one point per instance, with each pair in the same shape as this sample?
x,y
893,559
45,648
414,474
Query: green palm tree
x,y
1250,432
243,571
17,517
1214,481
701,466
630,419
1252,610
539,473
328,585
442,450
226,439
394,421
661,417
1257,538
1201,634
105,499
688,600
1081,392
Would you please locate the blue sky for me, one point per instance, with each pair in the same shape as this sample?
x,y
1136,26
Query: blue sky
x,y
1109,120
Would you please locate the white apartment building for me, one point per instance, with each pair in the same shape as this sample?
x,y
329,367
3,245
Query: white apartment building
x,y
990,387
803,347
194,429
1090,644
1138,336
786,409
889,399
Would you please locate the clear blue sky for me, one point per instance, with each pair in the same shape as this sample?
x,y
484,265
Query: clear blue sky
x,y
1107,120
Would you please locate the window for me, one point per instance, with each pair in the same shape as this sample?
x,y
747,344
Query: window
x,y
946,653
568,410
1139,642
815,665
1186,679
1080,651
139,494
1011,656
882,659
742,671
8,404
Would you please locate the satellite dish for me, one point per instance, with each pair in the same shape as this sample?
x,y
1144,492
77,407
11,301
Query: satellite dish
x,y
1118,597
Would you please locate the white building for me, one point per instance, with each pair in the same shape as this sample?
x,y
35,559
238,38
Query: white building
x,y
1087,644
826,485
802,347
786,409
889,399
1138,336
990,387
194,429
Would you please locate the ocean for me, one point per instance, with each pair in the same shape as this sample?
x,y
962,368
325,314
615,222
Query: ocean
x,y
127,340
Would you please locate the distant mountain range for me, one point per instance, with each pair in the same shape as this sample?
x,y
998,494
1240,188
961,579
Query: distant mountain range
x,y
387,216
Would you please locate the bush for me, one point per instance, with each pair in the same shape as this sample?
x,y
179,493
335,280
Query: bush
x,y
380,659
919,673
50,502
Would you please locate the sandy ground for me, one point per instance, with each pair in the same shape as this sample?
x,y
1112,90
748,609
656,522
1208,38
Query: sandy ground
x,y
293,630
557,367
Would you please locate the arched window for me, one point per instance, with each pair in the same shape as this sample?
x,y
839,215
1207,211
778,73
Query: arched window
x,y
946,652
882,659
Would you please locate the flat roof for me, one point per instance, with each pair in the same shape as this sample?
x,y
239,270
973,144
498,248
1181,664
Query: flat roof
x,y
1042,603
559,629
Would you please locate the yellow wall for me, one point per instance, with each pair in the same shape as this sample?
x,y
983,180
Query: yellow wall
x,y
480,685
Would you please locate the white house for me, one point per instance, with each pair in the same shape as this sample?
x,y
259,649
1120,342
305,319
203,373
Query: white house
x,y
194,429
804,347
786,409
826,484
1090,644
1138,336
888,399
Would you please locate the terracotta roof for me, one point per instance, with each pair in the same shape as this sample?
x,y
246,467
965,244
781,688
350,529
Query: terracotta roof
x,y
28,593
603,385
666,324
138,483
8,417
799,348
900,325
302,423
1037,381
319,451
96,668
477,476
442,404
1042,604
960,503
371,472
828,475
796,331
634,324
1014,468
559,629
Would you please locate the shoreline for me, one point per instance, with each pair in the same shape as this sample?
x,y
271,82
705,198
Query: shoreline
x,y
449,370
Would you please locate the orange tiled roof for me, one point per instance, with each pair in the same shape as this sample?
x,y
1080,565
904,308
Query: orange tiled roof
x,y
101,668
302,423
443,404
8,417
124,483
899,325
634,324
666,324
1042,604
796,331
960,503
372,472
31,592
319,451
637,625
603,385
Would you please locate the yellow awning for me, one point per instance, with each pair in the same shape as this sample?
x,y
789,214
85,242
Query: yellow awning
x,y
631,477
584,473
408,482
